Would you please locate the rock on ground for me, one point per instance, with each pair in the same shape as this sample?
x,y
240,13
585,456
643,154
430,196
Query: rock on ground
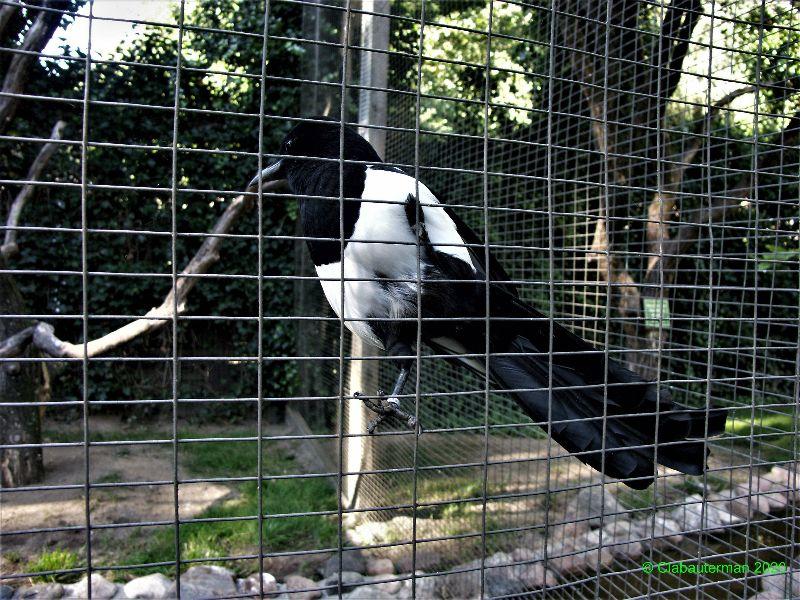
x,y
782,479
388,583
741,502
43,591
666,531
120,594
204,583
579,554
350,579
250,585
150,586
590,502
102,589
782,585
500,578
380,566
367,593
426,587
298,582
352,560
690,516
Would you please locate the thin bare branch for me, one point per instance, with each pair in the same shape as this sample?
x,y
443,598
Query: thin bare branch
x,y
19,69
664,206
45,339
9,247
670,250
694,146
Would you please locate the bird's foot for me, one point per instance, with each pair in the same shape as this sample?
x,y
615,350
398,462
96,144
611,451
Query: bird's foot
x,y
387,407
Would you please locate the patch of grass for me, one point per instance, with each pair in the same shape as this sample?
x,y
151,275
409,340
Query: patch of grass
x,y
74,435
55,560
694,485
233,458
113,477
776,431
772,422
234,538
637,499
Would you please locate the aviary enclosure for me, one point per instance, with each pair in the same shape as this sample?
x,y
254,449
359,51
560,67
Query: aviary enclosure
x,y
177,409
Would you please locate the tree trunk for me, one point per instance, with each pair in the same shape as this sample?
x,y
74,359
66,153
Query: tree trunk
x,y
627,97
20,383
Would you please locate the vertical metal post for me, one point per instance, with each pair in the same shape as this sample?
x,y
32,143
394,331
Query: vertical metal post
x,y
176,365
87,78
372,110
316,98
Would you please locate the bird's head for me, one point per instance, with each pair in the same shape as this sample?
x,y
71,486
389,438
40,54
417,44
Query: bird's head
x,y
307,146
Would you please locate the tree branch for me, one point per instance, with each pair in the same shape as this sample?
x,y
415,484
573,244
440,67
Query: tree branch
x,y
6,12
36,38
43,335
678,47
670,250
697,141
15,344
664,207
9,247
694,146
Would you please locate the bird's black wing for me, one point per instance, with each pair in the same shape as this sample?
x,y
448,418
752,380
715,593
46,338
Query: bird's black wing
x,y
497,274
594,406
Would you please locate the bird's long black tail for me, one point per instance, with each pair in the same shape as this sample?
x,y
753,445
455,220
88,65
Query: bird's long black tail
x,y
641,424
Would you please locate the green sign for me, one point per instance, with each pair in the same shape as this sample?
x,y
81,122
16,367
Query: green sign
x,y
656,312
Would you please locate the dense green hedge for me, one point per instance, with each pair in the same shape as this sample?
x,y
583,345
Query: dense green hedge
x,y
147,120
149,212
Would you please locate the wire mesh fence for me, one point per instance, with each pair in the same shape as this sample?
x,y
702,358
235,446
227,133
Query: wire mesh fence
x,y
632,165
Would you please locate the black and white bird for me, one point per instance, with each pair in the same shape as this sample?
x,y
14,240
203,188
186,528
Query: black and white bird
x,y
605,414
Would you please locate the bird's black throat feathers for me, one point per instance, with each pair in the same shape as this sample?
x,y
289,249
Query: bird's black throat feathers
x,y
319,217
316,183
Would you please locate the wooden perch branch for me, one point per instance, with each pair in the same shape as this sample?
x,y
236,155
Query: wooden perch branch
x,y
9,247
13,345
43,334
36,38
677,173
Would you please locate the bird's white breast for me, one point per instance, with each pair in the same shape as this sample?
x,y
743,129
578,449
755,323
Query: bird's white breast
x,y
383,246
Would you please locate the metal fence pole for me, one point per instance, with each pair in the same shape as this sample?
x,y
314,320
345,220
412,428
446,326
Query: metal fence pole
x,y
372,110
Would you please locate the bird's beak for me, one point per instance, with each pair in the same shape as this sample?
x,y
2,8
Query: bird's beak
x,y
271,178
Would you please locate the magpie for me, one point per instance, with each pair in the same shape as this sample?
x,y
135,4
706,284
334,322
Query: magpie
x,y
398,236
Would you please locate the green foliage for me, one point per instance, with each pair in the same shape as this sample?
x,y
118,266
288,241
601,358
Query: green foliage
x,y
774,430
763,31
148,81
55,560
637,500
453,76
775,255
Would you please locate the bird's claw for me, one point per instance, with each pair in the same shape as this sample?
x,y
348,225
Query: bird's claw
x,y
385,408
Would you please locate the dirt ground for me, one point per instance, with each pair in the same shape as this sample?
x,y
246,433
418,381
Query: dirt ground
x,y
65,509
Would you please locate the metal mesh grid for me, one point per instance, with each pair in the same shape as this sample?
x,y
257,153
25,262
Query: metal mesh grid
x,y
533,121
